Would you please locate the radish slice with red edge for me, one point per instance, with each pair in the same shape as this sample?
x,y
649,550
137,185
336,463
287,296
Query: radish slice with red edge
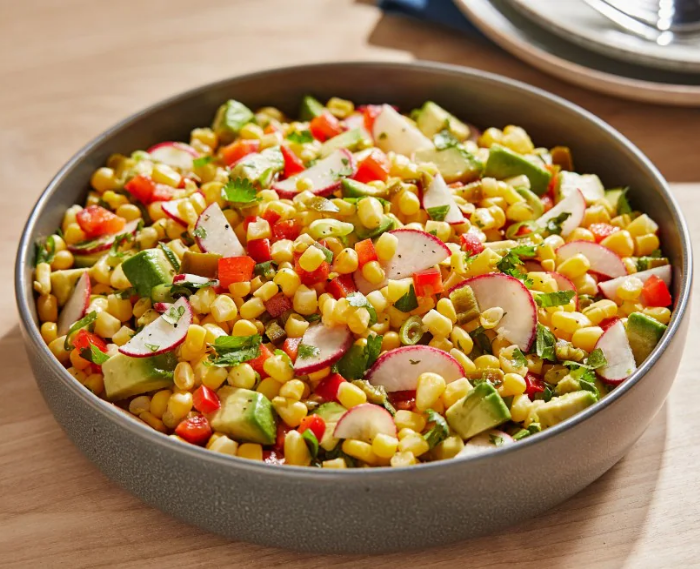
x,y
399,369
76,306
162,335
574,204
171,209
364,422
325,176
603,261
416,251
393,132
357,120
519,322
176,154
214,234
609,288
618,354
330,343
484,442
195,279
437,194
104,242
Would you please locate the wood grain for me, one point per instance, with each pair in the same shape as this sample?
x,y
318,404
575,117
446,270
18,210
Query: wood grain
x,y
73,68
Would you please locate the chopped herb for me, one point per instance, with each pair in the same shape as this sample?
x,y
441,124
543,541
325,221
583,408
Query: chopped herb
x,y
126,293
359,300
623,204
519,358
173,315
306,351
119,240
544,343
481,340
240,191
531,430
94,355
433,232
554,225
374,347
203,161
186,288
444,139
559,298
300,137
359,358
311,442
408,301
172,258
596,359
46,251
327,253
510,262
266,269
234,350
440,430
547,394
496,440
200,232
84,322
414,362
382,136
438,213
152,347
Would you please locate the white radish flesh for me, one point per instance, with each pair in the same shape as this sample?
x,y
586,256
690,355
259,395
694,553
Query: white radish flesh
x,y
573,204
162,335
588,184
603,261
195,279
176,154
325,176
437,194
365,422
609,288
484,442
618,354
214,234
331,344
76,306
392,132
105,241
171,209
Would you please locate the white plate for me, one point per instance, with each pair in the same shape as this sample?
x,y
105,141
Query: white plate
x,y
576,21
515,33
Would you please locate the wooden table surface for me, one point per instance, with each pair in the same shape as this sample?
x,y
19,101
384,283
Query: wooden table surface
x,y
71,69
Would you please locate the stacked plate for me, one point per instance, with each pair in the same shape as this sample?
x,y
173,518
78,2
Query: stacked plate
x,y
571,40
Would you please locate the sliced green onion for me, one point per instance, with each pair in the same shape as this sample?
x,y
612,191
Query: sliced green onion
x,y
411,331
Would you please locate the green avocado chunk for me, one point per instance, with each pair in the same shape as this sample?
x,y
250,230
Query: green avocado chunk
x,y
482,409
245,415
310,108
125,377
86,261
230,118
561,408
455,164
504,163
387,224
330,412
432,118
643,333
590,185
350,139
148,269
355,189
259,167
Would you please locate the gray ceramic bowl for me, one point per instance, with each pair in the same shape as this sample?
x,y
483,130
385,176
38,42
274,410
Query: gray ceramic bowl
x,y
369,510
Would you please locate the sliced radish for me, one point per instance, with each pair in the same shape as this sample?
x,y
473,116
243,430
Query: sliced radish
x,y
486,441
76,306
519,322
602,259
325,176
393,132
162,335
104,242
415,251
176,154
437,194
399,369
195,279
364,422
162,307
589,185
575,204
609,288
357,120
172,210
332,343
564,283
214,234
616,349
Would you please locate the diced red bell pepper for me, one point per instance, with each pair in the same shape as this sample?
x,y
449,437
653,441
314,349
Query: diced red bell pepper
x,y
328,388
310,278
471,243
370,113
270,216
403,400
260,250
162,193
235,270
141,187
374,167
95,220
205,400
656,293
291,347
602,230
278,305
287,229
428,282
273,457
534,384
523,230
341,286
553,181
365,252
195,430
282,430
257,363
292,163
315,424
236,150
84,338
547,203
325,126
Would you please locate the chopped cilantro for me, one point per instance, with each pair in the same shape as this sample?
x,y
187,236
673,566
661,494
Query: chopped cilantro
x,y
408,301
559,298
440,430
233,350
202,161
519,358
300,137
496,440
240,191
554,225
438,213
94,355
265,269
46,251
481,340
327,253
173,315
544,343
200,232
359,358
444,139
152,347
306,351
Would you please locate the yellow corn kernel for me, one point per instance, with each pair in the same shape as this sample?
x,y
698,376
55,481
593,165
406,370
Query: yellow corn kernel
x,y
646,244
295,326
405,432
520,211
441,343
252,308
373,272
437,324
429,389
658,313
580,234
159,402
183,377
548,265
461,339
103,179
384,446
508,361
243,375
620,242
408,203
244,328
164,174
296,453
350,395
386,246
517,139
140,404
520,408
397,288
291,412
642,225
266,291
224,309
441,229
487,362
447,309
378,301
463,359
546,251
305,300
574,267
47,308
483,219
288,281
370,212
490,317
223,445
118,307
415,444
154,422
513,384
278,368
62,260
601,310
401,459
317,376
212,377
122,336
258,229
346,262
483,263
196,338
251,451
595,214
77,361
336,464
569,322
585,284
57,348
180,404
409,420
293,390
455,391
49,332
268,387
359,450
282,251
358,320
106,325
586,338
630,289
311,259
390,341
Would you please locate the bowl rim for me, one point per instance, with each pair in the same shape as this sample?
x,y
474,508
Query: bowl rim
x,y
139,429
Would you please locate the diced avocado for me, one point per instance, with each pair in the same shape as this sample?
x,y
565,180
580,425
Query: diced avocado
x,y
125,377
465,303
504,163
482,409
148,269
63,283
387,224
567,385
355,189
432,118
310,108
455,164
330,412
643,333
613,196
350,139
202,264
533,201
590,185
230,118
86,261
260,167
245,415
561,408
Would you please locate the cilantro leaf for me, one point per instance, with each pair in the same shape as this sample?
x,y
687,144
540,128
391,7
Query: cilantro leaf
x,y
359,358
496,440
439,432
200,232
444,139
265,269
408,301
240,191
559,298
481,340
510,262
359,300
233,350
519,358
94,355
300,137
438,213
46,251
596,359
173,315
544,343
202,161
326,252
554,225
311,442
152,347
305,351
374,347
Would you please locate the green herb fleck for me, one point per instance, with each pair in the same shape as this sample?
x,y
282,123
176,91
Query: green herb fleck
x,y
306,351
234,350
240,191
202,161
440,430
300,137
444,139
200,232
559,298
554,225
544,343
408,301
94,354
438,213
152,347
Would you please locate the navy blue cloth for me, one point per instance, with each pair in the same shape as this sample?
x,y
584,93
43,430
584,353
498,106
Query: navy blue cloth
x,y
439,11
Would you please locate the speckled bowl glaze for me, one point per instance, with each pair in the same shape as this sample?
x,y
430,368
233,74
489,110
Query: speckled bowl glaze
x,y
368,510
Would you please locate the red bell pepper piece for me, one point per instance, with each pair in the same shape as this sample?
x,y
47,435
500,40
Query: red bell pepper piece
x,y
195,430
365,252
278,305
471,243
428,282
162,193
403,400
656,293
235,270
325,126
341,286
534,384
257,363
205,400
260,250
95,220
370,113
292,163
315,424
287,229
291,347
236,150
312,277
374,167
141,187
602,230
328,388
83,339
271,217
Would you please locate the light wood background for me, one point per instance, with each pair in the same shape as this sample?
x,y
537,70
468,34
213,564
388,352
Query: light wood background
x,y
70,69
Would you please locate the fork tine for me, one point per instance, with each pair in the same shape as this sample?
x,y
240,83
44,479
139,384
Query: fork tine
x,y
624,21
632,9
